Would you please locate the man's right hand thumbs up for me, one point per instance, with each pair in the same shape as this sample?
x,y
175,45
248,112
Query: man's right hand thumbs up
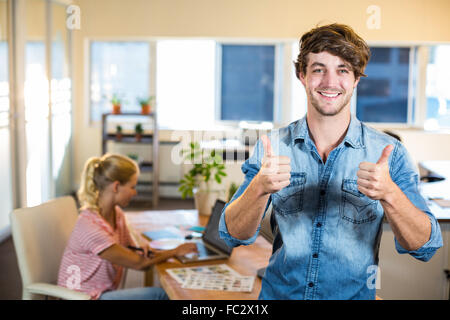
x,y
268,152
275,172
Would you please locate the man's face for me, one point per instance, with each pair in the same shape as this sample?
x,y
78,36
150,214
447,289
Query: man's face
x,y
329,83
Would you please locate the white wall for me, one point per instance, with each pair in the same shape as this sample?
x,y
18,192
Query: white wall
x,y
424,145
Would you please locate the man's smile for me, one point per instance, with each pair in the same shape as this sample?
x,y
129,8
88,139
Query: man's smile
x,y
329,95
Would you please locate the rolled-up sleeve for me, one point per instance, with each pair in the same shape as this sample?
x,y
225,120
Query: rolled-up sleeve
x,y
250,168
405,175
427,251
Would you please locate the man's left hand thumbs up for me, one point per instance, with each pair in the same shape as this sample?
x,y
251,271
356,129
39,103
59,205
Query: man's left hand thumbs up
x,y
374,179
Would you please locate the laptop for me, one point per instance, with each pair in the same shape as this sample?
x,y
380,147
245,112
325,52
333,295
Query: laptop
x,y
210,246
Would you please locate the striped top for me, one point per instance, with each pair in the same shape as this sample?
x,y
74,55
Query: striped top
x,y
81,267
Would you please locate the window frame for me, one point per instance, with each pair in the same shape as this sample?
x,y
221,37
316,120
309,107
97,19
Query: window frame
x,y
87,71
425,48
16,37
279,71
416,113
411,115
281,92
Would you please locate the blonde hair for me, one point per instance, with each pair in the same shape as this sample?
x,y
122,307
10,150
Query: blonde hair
x,y
98,173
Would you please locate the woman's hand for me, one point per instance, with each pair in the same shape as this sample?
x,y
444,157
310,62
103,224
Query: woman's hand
x,y
148,252
185,248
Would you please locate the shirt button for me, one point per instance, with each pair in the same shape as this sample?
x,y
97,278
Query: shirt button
x,y
318,224
315,255
310,284
322,192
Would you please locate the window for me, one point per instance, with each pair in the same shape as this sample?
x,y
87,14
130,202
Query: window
x,y
4,83
197,82
61,103
247,82
6,205
121,69
438,88
36,86
28,147
383,96
36,124
47,104
298,99
185,83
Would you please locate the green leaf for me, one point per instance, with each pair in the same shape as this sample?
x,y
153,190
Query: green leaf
x,y
205,165
218,159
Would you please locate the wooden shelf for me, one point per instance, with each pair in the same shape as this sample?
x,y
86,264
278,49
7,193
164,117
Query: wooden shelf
x,y
129,138
152,114
150,139
146,166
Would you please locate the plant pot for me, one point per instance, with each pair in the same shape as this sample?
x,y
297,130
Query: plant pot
x,y
205,200
119,137
138,137
116,109
145,109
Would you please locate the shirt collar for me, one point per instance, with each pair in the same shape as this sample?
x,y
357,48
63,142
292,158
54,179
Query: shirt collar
x,y
353,136
95,216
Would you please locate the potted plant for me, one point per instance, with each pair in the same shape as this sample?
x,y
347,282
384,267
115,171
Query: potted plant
x,y
146,104
138,130
198,181
119,133
232,190
133,156
116,103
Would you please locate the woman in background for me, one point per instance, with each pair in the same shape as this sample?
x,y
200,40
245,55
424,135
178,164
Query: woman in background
x,y
98,248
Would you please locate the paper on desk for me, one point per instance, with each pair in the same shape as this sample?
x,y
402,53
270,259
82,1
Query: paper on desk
x,y
212,277
180,274
219,282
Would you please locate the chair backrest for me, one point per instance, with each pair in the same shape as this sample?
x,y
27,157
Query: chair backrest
x,y
40,236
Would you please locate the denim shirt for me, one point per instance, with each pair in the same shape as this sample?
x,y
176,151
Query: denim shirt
x,y
327,233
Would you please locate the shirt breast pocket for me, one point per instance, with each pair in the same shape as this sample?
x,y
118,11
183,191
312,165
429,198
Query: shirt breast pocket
x,y
355,206
289,200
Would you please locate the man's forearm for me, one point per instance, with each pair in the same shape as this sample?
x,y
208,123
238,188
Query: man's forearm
x,y
411,226
244,214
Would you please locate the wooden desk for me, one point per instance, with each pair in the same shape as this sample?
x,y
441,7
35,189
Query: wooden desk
x,y
245,259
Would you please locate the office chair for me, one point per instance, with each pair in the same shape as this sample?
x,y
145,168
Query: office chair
x,y
40,235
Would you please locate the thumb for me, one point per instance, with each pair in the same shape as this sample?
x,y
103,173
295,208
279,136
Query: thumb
x,y
385,154
268,152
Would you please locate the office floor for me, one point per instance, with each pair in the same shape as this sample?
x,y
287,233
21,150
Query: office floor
x,y
10,281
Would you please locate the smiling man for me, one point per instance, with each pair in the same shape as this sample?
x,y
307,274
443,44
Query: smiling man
x,y
331,180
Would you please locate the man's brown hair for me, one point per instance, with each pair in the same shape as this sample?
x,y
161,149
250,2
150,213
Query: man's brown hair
x,y
337,39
